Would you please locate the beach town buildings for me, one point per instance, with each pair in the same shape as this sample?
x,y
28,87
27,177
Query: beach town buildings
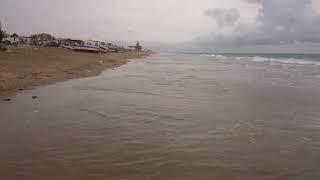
x,y
137,47
41,39
70,42
47,40
110,47
25,40
92,43
11,39
8,40
76,42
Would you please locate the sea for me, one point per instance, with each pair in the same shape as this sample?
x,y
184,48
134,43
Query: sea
x,y
171,116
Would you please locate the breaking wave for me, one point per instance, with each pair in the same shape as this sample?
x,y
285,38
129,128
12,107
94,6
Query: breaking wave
x,y
285,60
218,56
262,59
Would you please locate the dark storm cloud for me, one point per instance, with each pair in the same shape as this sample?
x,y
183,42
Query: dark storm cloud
x,y
223,17
278,22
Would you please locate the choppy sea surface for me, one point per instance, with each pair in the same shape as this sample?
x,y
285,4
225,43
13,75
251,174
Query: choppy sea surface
x,y
171,116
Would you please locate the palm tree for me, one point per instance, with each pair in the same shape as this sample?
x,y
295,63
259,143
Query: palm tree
x,y
14,36
3,33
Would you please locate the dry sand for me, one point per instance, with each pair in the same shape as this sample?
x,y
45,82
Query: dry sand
x,y
25,68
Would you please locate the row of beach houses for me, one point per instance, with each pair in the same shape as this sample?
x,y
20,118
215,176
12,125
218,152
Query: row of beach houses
x,y
48,40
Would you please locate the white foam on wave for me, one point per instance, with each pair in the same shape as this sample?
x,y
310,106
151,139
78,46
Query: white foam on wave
x,y
285,60
208,55
221,57
214,56
265,59
260,59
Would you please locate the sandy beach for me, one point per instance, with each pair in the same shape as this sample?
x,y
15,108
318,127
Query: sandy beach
x,y
25,68
169,116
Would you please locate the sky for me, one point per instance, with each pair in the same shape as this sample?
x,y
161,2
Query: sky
x,y
286,26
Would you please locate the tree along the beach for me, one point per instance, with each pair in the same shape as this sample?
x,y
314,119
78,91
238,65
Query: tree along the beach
x,y
14,36
3,33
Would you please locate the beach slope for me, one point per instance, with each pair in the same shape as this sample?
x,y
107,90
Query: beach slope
x,y
25,68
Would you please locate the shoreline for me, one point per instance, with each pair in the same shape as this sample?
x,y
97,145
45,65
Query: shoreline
x,y
26,68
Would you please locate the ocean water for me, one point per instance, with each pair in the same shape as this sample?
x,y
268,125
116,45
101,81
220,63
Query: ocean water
x,y
303,59
171,116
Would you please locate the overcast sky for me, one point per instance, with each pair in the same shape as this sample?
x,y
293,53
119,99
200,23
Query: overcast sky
x,y
183,25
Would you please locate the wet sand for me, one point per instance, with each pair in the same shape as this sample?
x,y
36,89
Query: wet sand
x,y
168,117
25,68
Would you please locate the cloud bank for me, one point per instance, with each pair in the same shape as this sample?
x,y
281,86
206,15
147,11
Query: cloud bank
x,y
206,25
279,22
223,17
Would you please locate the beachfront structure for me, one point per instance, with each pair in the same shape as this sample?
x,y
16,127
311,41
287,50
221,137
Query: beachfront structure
x,y
41,39
137,47
14,38
36,39
92,43
96,44
8,40
25,39
89,45
70,42
112,47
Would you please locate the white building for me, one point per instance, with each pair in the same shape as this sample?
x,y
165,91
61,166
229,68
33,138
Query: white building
x,y
9,39
25,40
91,43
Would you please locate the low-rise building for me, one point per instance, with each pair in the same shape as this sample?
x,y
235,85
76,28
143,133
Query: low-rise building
x,y
70,42
92,43
25,39
137,47
41,39
8,40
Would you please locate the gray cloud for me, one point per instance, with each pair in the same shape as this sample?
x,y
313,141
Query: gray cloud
x,y
223,17
278,22
253,1
262,22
